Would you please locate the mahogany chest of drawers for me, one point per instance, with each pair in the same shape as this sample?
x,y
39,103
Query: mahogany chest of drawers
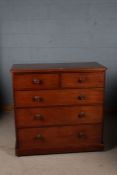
x,y
58,107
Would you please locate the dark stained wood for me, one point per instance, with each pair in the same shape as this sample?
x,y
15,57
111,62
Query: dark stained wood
x,y
58,67
82,80
36,81
69,149
58,97
37,117
62,136
58,107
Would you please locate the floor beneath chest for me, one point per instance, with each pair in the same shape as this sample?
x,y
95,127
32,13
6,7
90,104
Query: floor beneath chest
x,y
98,163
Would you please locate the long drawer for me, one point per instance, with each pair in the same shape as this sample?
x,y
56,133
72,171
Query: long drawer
x,y
58,97
59,136
35,81
37,117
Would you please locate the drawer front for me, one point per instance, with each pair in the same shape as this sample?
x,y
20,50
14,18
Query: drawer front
x,y
58,116
36,81
59,136
58,97
82,80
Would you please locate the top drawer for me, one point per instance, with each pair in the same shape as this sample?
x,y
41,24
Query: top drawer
x,y
82,80
35,81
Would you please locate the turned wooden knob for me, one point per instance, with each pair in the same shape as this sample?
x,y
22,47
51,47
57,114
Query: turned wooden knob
x,y
81,135
81,97
81,80
81,114
36,81
39,137
38,117
37,99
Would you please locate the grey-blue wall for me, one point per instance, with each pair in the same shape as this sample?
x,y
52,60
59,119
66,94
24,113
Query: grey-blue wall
x,y
36,31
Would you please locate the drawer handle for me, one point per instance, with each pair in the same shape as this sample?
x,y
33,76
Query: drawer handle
x,y
39,137
81,97
38,117
81,80
81,135
81,114
36,81
37,99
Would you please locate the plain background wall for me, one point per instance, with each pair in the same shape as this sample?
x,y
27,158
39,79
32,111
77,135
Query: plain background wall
x,y
36,31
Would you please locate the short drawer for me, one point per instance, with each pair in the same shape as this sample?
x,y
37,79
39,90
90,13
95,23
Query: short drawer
x,y
82,80
35,81
59,136
36,117
58,97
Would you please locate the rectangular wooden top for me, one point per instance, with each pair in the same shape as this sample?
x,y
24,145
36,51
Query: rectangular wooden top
x,y
59,67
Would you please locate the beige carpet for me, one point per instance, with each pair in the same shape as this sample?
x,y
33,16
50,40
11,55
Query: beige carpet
x,y
95,163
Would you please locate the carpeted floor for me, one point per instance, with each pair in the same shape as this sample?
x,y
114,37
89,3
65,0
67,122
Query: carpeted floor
x,y
93,163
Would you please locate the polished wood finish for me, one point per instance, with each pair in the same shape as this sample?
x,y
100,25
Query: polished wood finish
x,y
82,80
59,136
39,117
58,107
52,150
58,67
58,97
36,81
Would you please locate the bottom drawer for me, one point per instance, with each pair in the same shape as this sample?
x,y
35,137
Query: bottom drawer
x,y
59,137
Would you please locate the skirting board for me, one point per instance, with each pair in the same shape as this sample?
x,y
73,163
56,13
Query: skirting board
x,y
7,108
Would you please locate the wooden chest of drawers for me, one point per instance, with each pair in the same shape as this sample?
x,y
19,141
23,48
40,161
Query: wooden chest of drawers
x,y
58,107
